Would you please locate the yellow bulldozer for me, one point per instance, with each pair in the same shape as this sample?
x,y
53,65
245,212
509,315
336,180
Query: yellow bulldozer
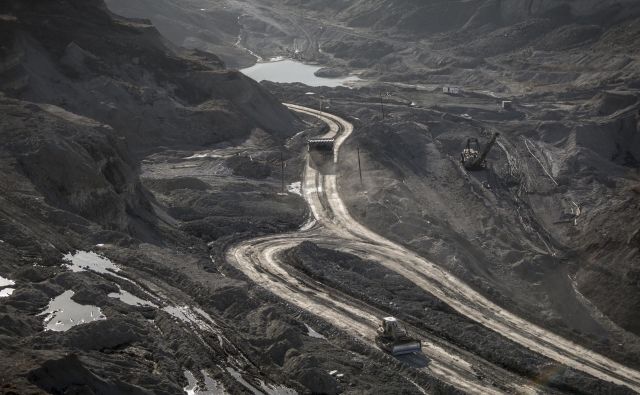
x,y
395,339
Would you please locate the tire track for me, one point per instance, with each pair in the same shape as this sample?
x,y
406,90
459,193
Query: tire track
x,y
336,229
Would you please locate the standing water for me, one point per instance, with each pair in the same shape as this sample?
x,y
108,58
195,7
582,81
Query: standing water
x,y
289,71
63,313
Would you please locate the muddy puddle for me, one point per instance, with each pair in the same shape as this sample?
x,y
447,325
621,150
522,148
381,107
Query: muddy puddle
x,y
264,388
210,387
62,313
80,261
295,188
313,333
4,283
289,71
130,299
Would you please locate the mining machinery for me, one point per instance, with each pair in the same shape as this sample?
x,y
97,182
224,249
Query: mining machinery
x,y
394,339
472,157
320,144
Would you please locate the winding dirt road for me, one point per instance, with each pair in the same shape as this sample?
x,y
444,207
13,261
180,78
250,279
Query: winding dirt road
x,y
334,228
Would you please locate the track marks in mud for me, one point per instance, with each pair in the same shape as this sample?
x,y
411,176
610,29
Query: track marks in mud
x,y
258,260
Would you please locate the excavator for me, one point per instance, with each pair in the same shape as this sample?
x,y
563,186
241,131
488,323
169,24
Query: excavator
x,y
394,339
471,157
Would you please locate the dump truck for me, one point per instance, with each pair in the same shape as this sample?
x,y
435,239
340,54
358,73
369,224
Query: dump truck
x,y
393,338
321,144
472,158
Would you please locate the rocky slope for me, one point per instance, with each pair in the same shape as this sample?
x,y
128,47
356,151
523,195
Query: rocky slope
x,y
84,96
112,282
117,141
151,95
503,46
554,211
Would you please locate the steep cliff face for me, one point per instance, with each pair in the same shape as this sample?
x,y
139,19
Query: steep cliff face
x,y
92,90
78,56
74,163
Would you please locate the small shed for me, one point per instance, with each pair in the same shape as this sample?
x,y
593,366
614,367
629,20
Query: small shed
x,y
452,90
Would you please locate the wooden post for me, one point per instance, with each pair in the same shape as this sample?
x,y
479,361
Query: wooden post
x,y
359,166
282,169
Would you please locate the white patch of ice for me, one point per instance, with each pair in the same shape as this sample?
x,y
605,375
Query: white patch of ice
x,y
204,314
5,282
189,316
295,187
203,155
270,389
236,375
63,313
6,292
312,333
212,387
81,261
191,388
311,222
130,299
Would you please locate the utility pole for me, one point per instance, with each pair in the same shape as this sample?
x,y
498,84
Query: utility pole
x,y
359,166
282,169
320,107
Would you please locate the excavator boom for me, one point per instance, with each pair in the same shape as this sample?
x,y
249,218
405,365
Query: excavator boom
x,y
472,159
488,147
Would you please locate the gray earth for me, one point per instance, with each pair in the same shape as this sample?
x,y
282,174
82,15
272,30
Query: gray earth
x,y
133,137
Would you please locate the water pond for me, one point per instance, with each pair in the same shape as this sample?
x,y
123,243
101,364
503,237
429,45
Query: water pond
x,y
289,71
